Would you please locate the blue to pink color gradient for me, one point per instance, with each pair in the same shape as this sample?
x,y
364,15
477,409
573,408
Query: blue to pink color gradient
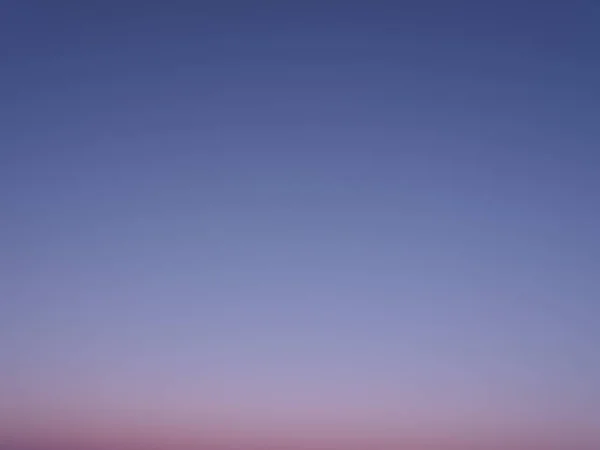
x,y
300,220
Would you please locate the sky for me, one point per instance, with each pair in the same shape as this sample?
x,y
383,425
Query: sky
x,y
277,220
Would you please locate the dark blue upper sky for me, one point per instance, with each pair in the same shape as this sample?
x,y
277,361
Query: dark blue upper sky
x,y
319,210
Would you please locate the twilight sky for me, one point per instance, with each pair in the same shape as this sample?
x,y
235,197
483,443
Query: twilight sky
x,y
300,216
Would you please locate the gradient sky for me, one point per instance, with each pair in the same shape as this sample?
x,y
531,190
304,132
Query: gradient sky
x,y
288,216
